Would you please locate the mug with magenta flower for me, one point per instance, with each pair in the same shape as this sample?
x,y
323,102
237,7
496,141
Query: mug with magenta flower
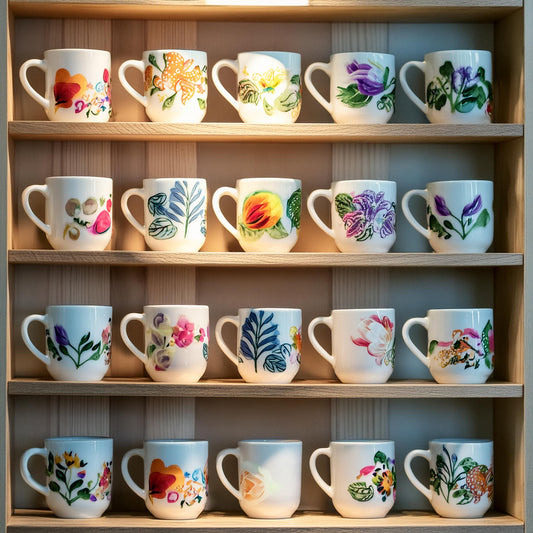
x,y
176,341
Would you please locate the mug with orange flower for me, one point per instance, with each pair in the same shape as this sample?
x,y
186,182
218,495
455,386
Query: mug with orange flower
x,y
175,84
268,213
175,477
77,84
270,476
363,344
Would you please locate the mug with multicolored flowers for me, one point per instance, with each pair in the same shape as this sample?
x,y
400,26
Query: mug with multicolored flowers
x,y
176,341
175,84
363,214
77,84
362,87
363,343
175,477
363,477
268,213
78,475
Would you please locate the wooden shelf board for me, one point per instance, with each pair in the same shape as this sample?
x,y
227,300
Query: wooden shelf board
x,y
24,521
233,388
242,259
240,132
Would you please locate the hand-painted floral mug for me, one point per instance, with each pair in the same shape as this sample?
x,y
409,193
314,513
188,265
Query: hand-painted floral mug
x,y
78,341
174,213
175,477
78,211
78,475
460,218
362,87
176,341
460,344
77,84
175,84
363,214
268,213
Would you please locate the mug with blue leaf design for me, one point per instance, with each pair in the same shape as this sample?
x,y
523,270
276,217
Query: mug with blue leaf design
x,y
269,343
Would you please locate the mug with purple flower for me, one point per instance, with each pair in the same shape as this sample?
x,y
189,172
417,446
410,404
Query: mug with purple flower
x,y
362,87
363,214
460,217
176,341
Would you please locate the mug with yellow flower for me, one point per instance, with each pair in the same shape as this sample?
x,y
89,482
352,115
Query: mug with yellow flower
x,y
78,475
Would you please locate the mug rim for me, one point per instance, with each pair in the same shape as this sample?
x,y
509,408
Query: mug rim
x,y
461,441
466,309
355,180
164,50
78,177
266,52
79,306
361,441
368,310
175,306
458,181
363,52
79,439
269,441
173,179
462,50
274,179
163,442
276,309
77,50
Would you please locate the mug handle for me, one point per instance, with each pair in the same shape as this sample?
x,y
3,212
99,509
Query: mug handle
x,y
314,472
24,471
421,65
23,75
218,194
328,321
218,335
407,212
325,67
43,189
426,454
220,470
407,339
139,65
26,338
326,193
127,213
124,334
216,80
126,474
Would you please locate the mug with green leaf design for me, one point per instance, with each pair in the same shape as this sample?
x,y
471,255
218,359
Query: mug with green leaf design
x,y
268,213
174,213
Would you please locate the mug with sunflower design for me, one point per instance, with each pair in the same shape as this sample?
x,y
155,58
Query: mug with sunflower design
x,y
268,213
175,84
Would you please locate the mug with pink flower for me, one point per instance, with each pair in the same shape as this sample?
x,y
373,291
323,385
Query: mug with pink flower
x,y
176,341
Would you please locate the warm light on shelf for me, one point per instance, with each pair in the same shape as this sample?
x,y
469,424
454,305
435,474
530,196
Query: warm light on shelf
x,y
273,3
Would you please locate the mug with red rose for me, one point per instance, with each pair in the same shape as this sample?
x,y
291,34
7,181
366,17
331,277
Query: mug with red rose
x,y
460,218
460,344
175,84
77,211
461,476
175,477
363,344
268,213
77,84
363,214
363,477
176,341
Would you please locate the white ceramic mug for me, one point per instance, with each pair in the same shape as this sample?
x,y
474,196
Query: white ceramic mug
x,y
458,86
270,476
78,211
176,341
460,217
175,477
363,477
77,84
461,476
78,475
269,343
268,86
78,341
174,213
362,87
175,84
460,344
363,214
268,213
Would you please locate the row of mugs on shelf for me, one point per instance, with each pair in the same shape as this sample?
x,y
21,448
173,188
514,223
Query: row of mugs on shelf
x,y
269,343
78,213
458,86
363,476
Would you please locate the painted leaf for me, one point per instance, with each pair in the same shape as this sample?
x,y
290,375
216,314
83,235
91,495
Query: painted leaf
x,y
482,220
275,363
380,457
277,231
259,335
360,491
156,204
96,355
86,347
288,99
250,235
294,208
201,103
269,110
50,464
78,483
435,226
84,494
53,486
485,338
152,60
249,92
467,463
352,97
52,350
432,345
85,338
61,476
446,69
169,102
204,352
343,204
466,105
162,228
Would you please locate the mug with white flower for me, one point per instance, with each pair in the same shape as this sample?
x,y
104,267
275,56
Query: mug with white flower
x,y
363,343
